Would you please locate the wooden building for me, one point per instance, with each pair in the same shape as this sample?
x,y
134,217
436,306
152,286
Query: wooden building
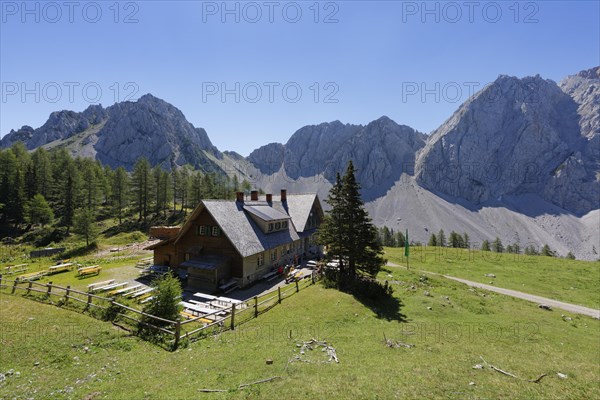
x,y
237,242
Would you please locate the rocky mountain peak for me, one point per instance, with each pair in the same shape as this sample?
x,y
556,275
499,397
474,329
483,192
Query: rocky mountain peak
x,y
122,133
513,137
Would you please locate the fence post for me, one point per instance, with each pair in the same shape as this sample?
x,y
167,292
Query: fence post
x,y
177,333
255,306
232,316
0,280
89,301
312,277
297,287
279,293
29,287
15,282
49,288
67,294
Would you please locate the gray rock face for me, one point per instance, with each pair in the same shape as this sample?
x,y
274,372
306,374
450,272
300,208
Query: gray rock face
x,y
124,132
584,88
155,129
380,151
61,125
515,136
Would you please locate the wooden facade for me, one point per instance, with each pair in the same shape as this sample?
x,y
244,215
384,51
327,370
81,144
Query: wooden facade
x,y
222,241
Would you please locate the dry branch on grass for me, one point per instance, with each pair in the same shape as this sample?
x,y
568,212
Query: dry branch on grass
x,y
396,343
537,380
311,345
241,386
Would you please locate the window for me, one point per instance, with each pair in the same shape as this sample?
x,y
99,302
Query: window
x,y
270,227
284,224
277,225
274,255
201,230
260,260
216,231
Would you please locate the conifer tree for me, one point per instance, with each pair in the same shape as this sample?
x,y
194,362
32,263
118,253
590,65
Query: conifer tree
x,y
348,232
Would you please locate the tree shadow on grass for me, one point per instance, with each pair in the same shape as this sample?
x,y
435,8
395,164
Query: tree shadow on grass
x,y
378,297
80,251
386,307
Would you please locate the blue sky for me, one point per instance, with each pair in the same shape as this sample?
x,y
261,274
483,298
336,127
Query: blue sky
x,y
252,73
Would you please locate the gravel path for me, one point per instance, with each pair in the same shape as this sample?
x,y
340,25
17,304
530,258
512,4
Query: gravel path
x,y
521,295
530,297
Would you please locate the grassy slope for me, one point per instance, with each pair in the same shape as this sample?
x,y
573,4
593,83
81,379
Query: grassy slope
x,y
576,282
512,334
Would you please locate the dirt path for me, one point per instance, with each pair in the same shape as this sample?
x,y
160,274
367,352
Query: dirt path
x,y
525,296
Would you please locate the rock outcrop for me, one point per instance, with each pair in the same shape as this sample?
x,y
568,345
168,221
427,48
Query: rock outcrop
x,y
381,151
122,133
516,136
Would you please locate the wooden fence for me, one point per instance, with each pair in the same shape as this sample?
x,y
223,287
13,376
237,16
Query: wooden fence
x,y
190,329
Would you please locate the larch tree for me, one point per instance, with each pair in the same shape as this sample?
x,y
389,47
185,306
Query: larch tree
x,y
38,211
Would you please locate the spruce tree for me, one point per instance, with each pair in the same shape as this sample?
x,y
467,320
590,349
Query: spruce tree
x,y
348,231
466,243
441,238
497,245
400,239
432,240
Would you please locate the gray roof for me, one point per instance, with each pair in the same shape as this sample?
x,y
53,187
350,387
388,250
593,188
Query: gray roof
x,y
243,232
266,212
245,235
298,207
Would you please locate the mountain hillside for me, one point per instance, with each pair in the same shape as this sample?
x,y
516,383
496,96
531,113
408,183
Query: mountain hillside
x,y
122,133
381,151
521,158
514,137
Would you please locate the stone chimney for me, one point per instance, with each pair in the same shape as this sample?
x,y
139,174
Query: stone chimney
x,y
239,197
269,198
254,195
283,195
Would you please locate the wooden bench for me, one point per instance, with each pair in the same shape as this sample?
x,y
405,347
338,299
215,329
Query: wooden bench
x,y
32,276
16,271
139,293
92,270
229,286
110,286
146,300
269,275
60,268
126,290
91,286
188,315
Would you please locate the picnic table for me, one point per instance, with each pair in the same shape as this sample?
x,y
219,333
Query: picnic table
x,y
139,293
31,276
91,286
93,269
205,296
126,290
15,269
55,269
201,310
110,286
